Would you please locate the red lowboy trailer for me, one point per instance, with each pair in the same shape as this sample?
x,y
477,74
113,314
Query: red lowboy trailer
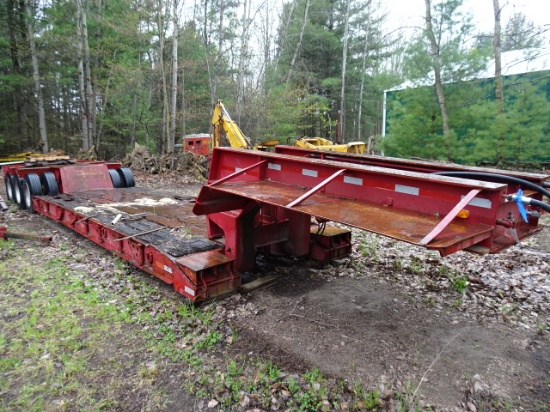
x,y
273,203
153,231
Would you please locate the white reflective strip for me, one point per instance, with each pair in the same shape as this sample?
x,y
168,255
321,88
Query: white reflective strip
x,y
168,269
479,202
190,291
353,180
238,169
307,172
411,190
273,166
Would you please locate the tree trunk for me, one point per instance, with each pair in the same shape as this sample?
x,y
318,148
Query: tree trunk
x,y
242,57
285,32
139,87
344,61
299,44
205,31
217,68
36,79
174,91
362,87
165,133
438,82
499,89
97,125
88,76
67,121
14,20
183,101
266,48
81,81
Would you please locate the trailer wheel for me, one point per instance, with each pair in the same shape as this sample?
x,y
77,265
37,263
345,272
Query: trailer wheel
x,y
31,187
115,177
49,184
126,176
17,191
9,187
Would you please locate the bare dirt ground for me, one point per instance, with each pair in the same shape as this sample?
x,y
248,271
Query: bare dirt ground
x,y
458,333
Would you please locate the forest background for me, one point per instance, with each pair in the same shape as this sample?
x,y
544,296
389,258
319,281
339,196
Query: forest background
x,y
102,75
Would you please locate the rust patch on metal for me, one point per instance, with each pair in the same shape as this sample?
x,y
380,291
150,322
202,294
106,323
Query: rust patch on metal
x,y
400,224
204,260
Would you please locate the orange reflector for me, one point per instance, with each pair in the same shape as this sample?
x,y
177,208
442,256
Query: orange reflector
x,y
463,214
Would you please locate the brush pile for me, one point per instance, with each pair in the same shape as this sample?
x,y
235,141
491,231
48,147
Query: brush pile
x,y
142,160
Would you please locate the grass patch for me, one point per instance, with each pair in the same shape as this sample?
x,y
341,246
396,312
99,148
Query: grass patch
x,y
73,340
58,338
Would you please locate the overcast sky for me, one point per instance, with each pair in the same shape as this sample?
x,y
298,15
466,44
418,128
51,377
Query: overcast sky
x,y
410,12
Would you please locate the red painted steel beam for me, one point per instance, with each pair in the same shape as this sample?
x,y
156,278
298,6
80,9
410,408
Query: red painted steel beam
x,y
421,166
315,189
237,173
450,216
502,236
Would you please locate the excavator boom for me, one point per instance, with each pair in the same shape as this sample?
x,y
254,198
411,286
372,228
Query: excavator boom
x,y
222,124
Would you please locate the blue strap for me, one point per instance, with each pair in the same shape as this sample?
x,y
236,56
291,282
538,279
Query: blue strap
x,y
521,208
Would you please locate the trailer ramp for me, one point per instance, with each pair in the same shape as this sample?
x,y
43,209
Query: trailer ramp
x,y
439,213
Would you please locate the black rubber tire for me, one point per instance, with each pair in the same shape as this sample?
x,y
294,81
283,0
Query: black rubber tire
x,y
9,187
49,184
17,192
126,176
116,179
32,186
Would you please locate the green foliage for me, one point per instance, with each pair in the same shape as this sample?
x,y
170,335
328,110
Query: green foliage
x,y
524,125
456,59
521,34
414,127
125,57
365,399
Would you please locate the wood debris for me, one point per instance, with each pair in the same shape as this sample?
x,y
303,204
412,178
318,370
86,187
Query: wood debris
x,y
141,159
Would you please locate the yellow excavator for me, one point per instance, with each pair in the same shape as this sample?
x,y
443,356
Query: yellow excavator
x,y
320,143
222,124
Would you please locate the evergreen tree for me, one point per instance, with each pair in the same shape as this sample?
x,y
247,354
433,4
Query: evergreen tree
x,y
444,56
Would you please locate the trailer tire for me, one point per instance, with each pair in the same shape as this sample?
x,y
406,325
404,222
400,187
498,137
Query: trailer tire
x,y
49,184
17,191
126,176
116,179
9,187
31,187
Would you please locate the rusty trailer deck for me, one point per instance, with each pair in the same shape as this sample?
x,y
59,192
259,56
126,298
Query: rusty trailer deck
x,y
155,232
405,225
